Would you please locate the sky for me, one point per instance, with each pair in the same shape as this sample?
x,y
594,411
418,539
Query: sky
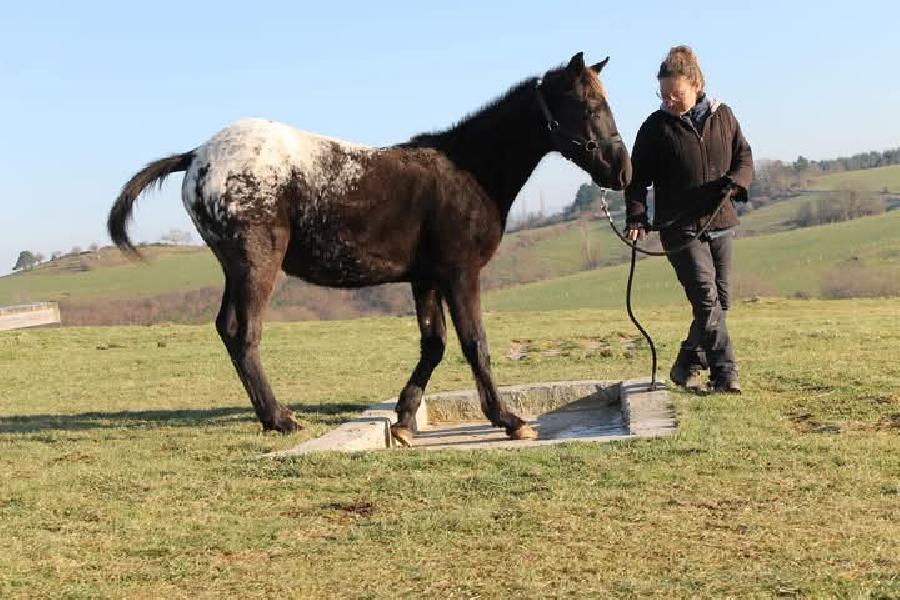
x,y
92,91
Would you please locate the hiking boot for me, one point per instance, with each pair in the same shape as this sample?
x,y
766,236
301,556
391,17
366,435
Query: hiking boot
x,y
686,377
725,384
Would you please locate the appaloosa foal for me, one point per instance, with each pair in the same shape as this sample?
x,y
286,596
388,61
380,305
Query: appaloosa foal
x,y
266,197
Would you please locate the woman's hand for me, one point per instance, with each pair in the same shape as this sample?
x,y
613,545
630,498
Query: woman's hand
x,y
635,232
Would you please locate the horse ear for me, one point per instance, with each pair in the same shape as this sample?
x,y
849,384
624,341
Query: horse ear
x,y
576,65
599,66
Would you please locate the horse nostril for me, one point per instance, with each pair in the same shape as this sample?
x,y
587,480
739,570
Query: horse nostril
x,y
590,146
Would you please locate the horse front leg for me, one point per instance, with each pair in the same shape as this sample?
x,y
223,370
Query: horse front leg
x,y
464,300
433,327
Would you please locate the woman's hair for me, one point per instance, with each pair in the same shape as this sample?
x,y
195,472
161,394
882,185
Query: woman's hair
x,y
681,60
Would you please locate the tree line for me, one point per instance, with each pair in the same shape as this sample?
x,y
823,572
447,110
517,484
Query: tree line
x,y
863,160
28,259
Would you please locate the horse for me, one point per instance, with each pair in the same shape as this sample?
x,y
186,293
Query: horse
x,y
430,211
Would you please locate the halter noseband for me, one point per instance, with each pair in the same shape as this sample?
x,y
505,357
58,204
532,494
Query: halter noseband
x,y
553,126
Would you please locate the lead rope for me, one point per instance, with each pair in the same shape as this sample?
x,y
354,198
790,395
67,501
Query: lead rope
x,y
634,250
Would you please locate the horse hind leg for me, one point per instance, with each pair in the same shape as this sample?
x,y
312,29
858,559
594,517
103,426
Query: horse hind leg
x,y
250,274
433,327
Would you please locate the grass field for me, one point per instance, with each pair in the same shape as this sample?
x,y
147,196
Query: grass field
x,y
112,276
873,180
555,251
131,467
773,217
781,264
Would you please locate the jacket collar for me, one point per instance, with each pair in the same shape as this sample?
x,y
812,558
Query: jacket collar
x,y
714,104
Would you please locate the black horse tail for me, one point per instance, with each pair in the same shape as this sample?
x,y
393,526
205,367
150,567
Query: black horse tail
x,y
156,172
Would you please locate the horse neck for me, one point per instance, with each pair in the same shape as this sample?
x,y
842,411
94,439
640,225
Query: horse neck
x,y
500,146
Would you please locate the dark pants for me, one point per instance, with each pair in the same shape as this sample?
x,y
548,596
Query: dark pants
x,y
703,269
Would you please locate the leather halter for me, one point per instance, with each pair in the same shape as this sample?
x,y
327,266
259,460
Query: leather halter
x,y
588,145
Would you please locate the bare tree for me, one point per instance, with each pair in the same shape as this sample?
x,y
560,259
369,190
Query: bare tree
x,y
176,236
590,249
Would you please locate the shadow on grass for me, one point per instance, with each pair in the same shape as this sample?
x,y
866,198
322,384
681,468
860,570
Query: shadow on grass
x,y
327,414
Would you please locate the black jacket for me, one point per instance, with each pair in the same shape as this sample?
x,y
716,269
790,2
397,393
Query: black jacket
x,y
690,173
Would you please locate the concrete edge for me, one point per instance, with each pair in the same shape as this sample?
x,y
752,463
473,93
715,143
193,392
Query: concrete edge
x,y
371,430
648,413
528,400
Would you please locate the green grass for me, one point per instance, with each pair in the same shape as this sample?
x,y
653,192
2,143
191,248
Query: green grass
x,y
781,264
554,251
773,217
131,468
873,180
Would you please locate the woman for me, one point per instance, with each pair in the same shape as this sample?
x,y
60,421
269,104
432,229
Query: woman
x,y
693,153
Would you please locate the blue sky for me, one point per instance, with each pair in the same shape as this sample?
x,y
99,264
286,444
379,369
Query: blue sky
x,y
92,91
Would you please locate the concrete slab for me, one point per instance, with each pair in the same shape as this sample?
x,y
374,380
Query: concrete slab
x,y
369,431
562,411
648,412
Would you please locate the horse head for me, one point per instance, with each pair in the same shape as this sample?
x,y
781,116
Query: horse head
x,y
581,123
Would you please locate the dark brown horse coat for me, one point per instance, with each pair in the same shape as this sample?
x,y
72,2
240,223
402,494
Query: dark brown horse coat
x,y
266,197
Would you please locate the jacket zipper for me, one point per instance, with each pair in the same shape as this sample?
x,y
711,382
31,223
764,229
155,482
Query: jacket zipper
x,y
703,159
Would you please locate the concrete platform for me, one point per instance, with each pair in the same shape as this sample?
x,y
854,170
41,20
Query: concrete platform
x,y
562,411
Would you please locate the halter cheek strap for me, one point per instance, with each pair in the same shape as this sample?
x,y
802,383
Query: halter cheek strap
x,y
553,126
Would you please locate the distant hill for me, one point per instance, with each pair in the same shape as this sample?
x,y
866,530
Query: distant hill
x,y
114,289
107,273
854,258
183,283
781,216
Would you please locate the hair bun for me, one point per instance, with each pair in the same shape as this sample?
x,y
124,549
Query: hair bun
x,y
681,61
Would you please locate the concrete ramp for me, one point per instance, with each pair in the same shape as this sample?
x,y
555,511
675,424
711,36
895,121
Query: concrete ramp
x,y
560,411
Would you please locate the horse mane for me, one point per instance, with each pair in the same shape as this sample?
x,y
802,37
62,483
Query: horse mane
x,y
488,111
471,121
592,79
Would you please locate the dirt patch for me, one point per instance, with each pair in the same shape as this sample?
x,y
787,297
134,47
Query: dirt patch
x,y
804,422
245,557
891,421
783,383
578,346
885,399
353,510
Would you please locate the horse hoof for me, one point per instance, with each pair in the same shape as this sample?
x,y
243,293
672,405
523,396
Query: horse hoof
x,y
525,432
286,423
402,436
